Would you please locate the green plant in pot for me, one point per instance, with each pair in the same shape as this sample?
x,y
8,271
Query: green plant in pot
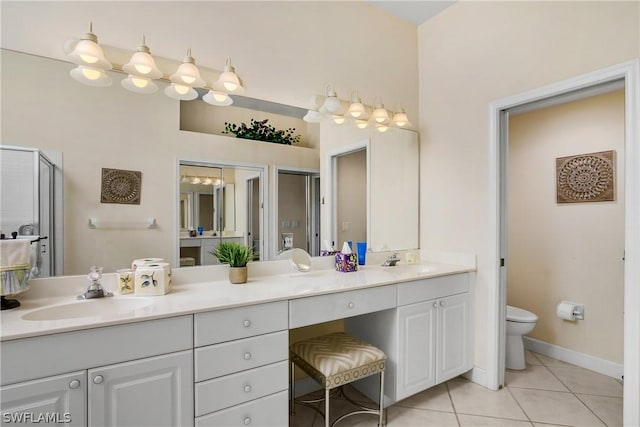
x,y
237,256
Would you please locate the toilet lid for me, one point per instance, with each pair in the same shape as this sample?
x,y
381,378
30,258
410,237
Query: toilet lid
x,y
515,314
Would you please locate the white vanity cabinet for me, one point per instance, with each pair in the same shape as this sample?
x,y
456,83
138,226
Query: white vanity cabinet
x,y
428,339
59,399
126,375
241,366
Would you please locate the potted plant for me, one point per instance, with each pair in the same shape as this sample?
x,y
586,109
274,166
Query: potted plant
x,y
237,256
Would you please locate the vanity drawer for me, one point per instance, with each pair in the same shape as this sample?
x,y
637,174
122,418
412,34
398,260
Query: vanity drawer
x,y
323,308
435,287
234,356
225,325
230,390
272,410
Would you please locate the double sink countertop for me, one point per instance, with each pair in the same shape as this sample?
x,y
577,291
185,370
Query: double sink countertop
x,y
52,305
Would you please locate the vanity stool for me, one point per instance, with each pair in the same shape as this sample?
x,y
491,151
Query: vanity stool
x,y
334,360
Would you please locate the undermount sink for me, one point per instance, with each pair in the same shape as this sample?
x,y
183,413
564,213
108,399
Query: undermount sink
x,y
99,307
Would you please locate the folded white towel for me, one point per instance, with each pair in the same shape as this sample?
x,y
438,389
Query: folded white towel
x,y
14,254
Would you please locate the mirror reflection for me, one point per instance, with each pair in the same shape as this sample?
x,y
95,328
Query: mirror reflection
x,y
218,203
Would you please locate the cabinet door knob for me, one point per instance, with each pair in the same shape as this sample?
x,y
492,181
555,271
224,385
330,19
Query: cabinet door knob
x,y
247,388
246,323
247,421
435,305
247,356
98,379
441,303
351,304
74,384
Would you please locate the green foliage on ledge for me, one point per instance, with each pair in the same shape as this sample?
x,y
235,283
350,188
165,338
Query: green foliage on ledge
x,y
260,130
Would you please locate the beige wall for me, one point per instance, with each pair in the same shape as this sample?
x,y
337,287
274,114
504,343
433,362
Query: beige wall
x,y
472,54
567,251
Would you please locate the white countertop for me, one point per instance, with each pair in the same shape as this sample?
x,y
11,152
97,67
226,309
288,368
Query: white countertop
x,y
199,289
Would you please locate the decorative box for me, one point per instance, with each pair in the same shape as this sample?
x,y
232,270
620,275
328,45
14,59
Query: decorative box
x,y
153,279
346,262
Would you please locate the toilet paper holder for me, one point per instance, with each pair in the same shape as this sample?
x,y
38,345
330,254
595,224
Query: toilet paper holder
x,y
570,310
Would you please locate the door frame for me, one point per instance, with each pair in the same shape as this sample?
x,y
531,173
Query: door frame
x,y
629,72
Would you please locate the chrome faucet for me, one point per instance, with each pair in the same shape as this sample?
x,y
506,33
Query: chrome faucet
x,y
95,289
391,261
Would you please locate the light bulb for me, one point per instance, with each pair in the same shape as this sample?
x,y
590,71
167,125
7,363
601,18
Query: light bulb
x,y
90,73
361,124
138,82
188,79
220,97
89,59
182,90
382,128
338,119
230,86
142,69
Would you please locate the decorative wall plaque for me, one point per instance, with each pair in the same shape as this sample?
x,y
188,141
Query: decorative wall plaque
x,y
586,178
121,186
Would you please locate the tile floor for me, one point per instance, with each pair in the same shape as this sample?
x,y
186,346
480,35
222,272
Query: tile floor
x,y
547,393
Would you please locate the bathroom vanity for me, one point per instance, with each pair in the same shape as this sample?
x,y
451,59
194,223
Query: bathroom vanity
x,y
212,353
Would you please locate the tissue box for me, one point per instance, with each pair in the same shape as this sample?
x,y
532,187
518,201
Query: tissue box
x,y
346,262
153,279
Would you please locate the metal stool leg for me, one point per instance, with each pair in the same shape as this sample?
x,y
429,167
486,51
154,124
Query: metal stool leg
x,y
326,408
381,421
292,390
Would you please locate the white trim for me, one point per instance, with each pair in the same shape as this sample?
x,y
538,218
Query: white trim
x,y
477,375
630,72
596,364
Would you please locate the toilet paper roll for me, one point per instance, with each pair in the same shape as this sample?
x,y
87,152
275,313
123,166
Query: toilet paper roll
x,y
565,310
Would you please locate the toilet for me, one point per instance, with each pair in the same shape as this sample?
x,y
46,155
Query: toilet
x,y
519,322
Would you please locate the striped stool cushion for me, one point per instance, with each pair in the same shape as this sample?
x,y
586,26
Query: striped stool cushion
x,y
337,359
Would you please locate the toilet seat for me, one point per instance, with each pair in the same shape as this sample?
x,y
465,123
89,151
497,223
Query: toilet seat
x,y
515,314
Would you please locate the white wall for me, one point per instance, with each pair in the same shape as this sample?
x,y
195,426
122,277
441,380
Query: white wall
x,y
567,251
472,54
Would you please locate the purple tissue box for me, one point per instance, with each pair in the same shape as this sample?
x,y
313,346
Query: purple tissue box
x,y
346,262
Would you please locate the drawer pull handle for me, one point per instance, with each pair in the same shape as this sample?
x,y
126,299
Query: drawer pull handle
x,y
247,388
246,323
247,356
74,384
441,303
247,421
98,379
351,304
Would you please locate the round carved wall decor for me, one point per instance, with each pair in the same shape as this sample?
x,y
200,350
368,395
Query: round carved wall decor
x,y
121,186
586,178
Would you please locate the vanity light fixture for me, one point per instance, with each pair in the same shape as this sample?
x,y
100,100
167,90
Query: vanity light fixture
x,y
331,103
380,114
400,118
183,81
228,81
142,70
356,109
196,180
313,114
90,60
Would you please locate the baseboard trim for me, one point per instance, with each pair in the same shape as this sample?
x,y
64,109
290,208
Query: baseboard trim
x,y
477,375
582,360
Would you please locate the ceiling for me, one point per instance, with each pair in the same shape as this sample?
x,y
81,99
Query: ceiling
x,y
415,12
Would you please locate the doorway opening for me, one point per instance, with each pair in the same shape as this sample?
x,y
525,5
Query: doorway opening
x,y
629,73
